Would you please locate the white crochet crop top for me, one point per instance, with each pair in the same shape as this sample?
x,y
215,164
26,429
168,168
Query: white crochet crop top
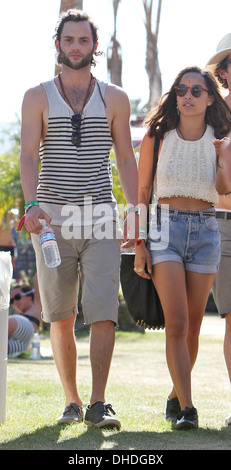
x,y
187,168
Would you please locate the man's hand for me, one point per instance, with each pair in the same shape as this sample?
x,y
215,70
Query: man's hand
x,y
131,230
32,223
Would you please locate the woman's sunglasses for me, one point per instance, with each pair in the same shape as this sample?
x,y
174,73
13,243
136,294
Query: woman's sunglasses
x,y
20,295
195,90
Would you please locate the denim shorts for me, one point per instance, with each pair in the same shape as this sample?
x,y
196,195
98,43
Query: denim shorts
x,y
189,238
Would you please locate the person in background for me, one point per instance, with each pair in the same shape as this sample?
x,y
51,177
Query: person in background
x,y
190,116
23,325
220,66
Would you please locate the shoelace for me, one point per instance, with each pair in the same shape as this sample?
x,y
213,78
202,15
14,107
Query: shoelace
x,y
108,408
189,412
74,406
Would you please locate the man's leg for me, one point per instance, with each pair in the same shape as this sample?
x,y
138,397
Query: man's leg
x,y
65,356
100,264
227,343
227,352
98,413
101,350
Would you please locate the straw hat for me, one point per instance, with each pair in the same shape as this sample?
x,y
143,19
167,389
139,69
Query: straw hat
x,y
223,49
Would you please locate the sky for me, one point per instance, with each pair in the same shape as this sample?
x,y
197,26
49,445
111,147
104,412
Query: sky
x,y
189,34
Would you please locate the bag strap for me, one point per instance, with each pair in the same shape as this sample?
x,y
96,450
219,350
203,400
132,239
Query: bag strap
x,y
155,161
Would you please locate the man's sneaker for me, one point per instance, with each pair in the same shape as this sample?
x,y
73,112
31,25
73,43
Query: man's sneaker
x,y
98,415
188,419
173,410
228,421
72,414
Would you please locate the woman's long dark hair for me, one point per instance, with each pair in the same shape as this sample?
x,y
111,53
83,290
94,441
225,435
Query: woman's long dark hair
x,y
166,117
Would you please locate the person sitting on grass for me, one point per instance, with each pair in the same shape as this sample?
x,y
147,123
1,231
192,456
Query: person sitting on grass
x,y
23,325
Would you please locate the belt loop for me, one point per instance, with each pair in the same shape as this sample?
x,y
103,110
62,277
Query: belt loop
x,y
175,215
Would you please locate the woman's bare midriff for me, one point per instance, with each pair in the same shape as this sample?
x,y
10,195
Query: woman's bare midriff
x,y
185,204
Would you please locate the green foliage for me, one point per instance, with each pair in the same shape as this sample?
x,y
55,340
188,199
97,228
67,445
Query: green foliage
x,y
117,189
10,186
11,194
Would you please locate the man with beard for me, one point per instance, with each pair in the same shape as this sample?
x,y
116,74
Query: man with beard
x,y
220,66
72,121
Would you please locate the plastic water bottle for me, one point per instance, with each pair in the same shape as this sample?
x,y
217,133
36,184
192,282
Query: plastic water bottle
x,y
35,353
49,246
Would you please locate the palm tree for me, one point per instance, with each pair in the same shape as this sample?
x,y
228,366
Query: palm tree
x,y
114,53
152,63
67,4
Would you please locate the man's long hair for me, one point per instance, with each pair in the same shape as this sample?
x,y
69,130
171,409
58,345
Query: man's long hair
x,y
77,16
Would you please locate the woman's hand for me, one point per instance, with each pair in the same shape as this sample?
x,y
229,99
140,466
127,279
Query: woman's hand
x,y
142,263
223,151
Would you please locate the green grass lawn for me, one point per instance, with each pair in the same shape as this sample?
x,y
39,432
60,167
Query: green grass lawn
x,y
138,386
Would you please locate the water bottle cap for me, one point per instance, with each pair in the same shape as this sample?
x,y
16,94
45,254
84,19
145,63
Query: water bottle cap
x,y
43,222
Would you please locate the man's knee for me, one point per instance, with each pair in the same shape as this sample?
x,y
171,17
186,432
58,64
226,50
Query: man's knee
x,y
62,326
228,322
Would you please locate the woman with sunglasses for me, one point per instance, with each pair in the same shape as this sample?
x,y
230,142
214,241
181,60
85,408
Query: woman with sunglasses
x,y
183,247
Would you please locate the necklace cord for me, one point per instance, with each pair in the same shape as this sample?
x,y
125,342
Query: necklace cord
x,y
86,97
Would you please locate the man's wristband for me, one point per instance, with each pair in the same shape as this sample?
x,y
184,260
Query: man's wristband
x,y
31,203
27,207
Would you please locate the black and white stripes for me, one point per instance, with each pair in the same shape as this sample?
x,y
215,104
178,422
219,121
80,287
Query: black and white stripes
x,y
70,173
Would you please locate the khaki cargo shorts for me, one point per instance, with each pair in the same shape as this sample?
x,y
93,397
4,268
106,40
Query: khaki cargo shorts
x,y
95,263
221,285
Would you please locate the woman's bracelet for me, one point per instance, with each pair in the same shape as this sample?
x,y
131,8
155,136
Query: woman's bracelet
x,y
139,241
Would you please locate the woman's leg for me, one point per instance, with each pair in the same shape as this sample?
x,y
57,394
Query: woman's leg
x,y
170,281
198,287
197,290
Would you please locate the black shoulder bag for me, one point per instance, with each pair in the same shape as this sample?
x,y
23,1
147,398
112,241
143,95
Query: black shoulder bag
x,y
140,294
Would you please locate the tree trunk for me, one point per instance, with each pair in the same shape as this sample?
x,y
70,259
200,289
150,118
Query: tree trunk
x,y
64,6
114,53
152,63
67,4
153,71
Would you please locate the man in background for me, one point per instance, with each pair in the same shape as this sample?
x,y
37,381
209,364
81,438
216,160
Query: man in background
x,y
220,66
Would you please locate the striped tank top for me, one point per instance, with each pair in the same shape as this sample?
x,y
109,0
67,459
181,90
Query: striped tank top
x,y
70,174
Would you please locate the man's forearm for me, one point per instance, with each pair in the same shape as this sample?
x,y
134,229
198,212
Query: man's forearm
x,y
29,177
128,176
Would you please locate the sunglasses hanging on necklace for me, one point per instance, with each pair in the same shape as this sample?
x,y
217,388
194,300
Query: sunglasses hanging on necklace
x,y
77,117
